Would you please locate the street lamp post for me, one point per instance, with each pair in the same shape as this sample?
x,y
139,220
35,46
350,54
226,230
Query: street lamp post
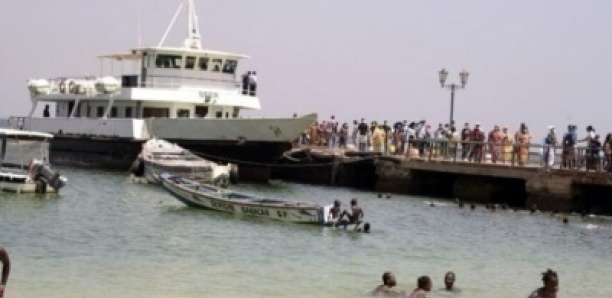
x,y
463,76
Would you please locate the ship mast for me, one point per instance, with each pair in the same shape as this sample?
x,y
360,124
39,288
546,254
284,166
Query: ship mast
x,y
193,40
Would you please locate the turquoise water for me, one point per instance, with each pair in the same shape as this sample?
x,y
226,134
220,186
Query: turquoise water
x,y
106,237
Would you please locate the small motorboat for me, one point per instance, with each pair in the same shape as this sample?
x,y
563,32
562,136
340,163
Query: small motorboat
x,y
24,166
200,195
159,156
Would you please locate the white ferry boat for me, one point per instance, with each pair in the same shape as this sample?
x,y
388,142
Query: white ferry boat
x,y
187,95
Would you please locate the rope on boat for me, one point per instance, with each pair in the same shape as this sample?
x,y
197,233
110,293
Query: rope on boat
x,y
277,165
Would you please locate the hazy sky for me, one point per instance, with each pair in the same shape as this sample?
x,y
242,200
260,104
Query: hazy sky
x,y
542,62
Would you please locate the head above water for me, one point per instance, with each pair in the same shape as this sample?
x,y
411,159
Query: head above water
x,y
449,280
354,202
389,279
366,227
424,283
551,282
337,203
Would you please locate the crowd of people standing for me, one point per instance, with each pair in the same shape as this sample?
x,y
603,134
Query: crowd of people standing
x,y
471,143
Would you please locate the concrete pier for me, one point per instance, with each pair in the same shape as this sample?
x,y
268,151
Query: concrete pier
x,y
518,186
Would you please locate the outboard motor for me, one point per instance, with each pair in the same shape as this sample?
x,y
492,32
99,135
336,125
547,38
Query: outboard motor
x,y
49,176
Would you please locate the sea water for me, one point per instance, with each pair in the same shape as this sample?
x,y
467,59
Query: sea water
x,y
104,236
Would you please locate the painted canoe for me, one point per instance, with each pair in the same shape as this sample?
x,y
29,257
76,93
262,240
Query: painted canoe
x,y
195,194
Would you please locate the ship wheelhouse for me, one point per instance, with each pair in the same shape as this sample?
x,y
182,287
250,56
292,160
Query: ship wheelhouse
x,y
166,83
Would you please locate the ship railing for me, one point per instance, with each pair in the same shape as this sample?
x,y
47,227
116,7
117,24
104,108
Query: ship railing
x,y
16,122
85,85
83,126
170,82
580,157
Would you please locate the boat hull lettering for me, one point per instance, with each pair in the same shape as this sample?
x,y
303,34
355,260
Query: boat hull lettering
x,y
256,211
222,206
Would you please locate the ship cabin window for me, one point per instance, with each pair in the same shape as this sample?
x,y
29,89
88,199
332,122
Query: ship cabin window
x,y
230,66
182,113
201,111
168,61
190,62
113,113
203,63
100,112
216,64
219,114
88,112
236,112
128,112
155,112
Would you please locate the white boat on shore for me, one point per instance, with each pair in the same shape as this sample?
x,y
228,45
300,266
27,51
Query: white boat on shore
x,y
24,166
200,195
159,156
187,95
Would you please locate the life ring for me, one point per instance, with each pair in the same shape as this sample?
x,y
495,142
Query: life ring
x,y
72,87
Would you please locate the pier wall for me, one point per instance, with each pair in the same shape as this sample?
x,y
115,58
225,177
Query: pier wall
x,y
521,187
518,186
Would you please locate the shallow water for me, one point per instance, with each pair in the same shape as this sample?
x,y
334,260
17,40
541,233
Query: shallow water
x,y
106,237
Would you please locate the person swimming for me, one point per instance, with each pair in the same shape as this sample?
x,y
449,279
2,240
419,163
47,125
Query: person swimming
x,y
550,288
424,286
366,228
449,283
387,286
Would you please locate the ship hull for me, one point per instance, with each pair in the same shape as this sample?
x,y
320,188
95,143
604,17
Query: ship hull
x,y
253,144
253,158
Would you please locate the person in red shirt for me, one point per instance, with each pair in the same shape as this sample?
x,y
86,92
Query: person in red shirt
x,y
495,143
478,139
